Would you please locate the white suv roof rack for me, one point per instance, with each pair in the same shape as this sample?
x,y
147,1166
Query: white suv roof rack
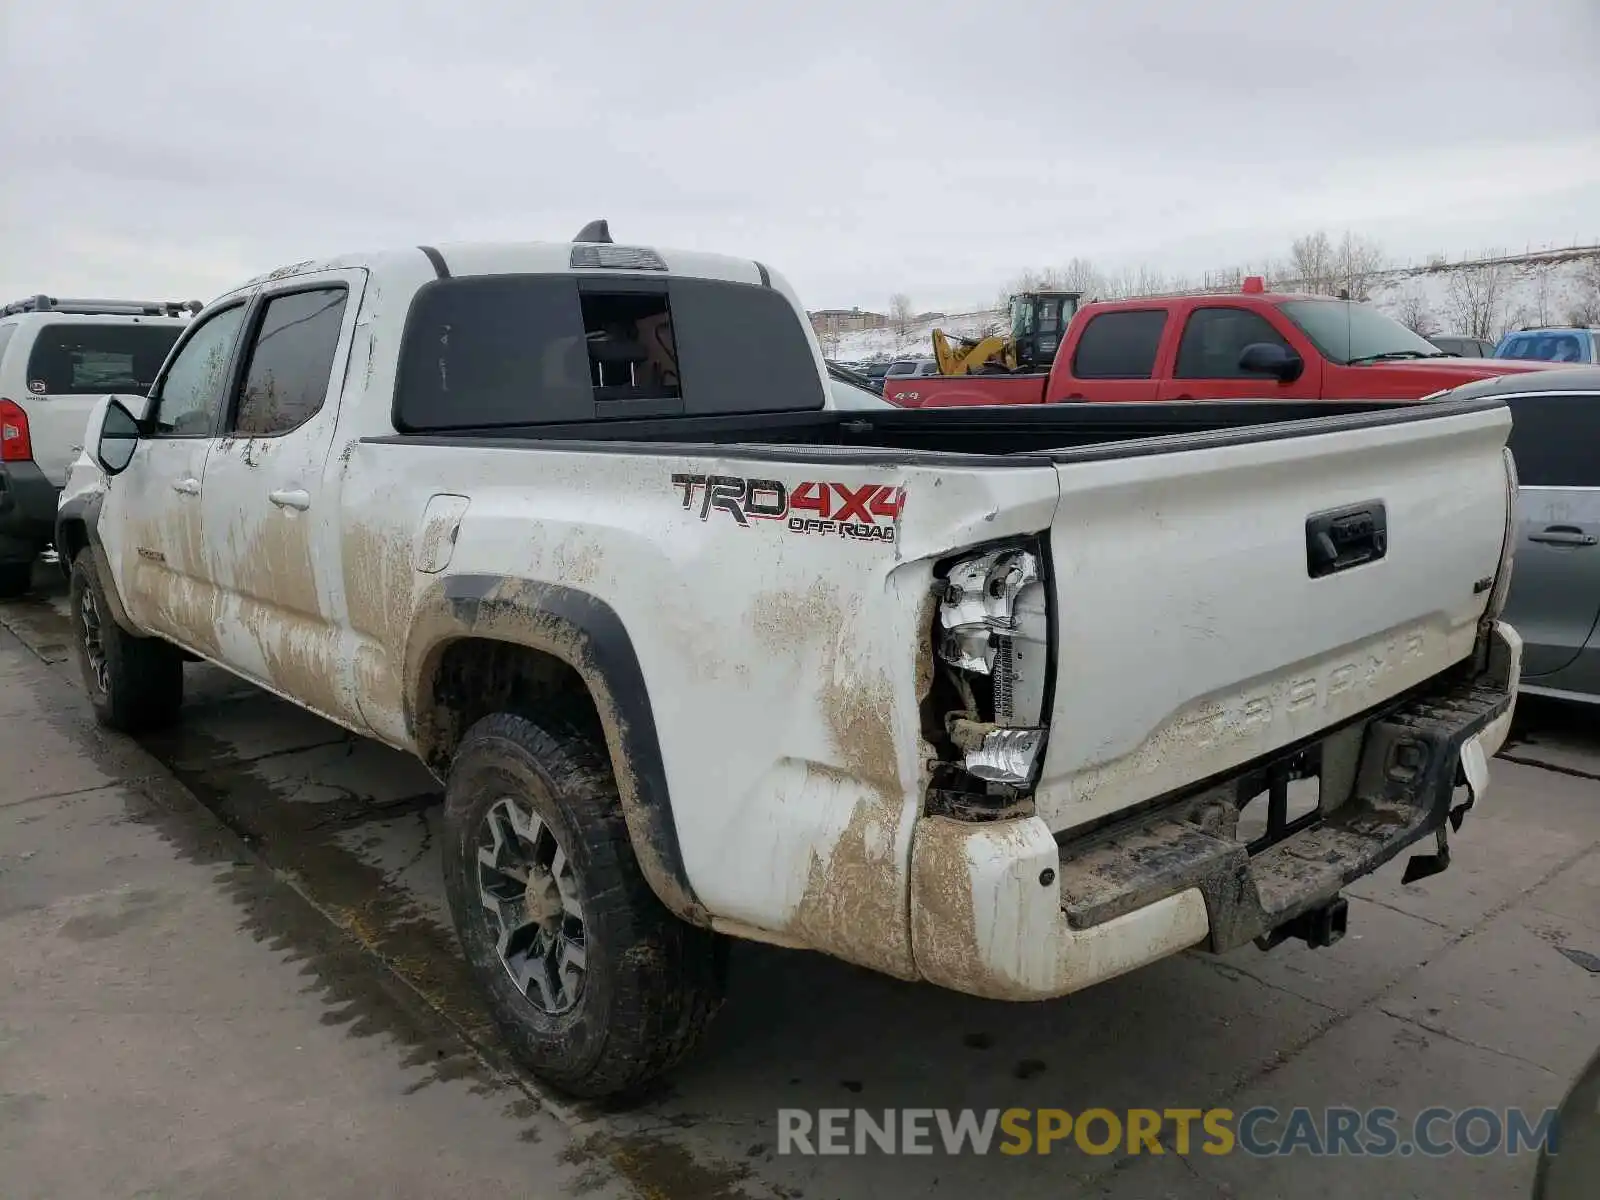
x,y
106,308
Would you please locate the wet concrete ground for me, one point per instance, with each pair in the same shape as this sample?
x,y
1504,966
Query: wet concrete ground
x,y
1454,992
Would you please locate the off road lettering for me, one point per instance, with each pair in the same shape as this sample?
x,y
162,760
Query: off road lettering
x,y
864,512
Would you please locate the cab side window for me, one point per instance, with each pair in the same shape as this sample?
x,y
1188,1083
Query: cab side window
x,y
1214,339
190,396
291,361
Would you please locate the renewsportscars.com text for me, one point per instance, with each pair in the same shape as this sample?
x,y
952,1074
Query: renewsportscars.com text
x,y
1260,1132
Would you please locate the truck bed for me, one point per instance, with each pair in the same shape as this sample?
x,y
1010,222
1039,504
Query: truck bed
x,y
1056,432
1186,544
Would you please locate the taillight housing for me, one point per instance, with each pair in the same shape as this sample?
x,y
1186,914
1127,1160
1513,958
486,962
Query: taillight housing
x,y
16,444
993,637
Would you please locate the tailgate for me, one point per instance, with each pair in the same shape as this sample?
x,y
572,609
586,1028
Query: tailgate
x,y
1198,627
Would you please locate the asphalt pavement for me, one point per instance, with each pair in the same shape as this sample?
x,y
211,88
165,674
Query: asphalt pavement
x,y
226,970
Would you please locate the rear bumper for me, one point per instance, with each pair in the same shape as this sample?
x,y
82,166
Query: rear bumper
x,y
27,511
1000,909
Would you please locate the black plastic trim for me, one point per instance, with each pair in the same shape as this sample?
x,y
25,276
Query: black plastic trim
x,y
610,653
766,276
868,436
440,271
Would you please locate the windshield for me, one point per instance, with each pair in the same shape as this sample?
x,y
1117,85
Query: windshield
x,y
1021,317
78,358
1543,347
1347,332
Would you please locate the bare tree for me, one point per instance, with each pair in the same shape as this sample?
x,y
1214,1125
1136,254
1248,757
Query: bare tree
x,y
900,312
1543,302
1124,284
1080,275
1585,308
1475,300
1356,263
1414,314
1313,262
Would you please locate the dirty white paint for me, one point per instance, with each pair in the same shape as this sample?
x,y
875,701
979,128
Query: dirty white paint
x,y
1192,638
784,669
985,923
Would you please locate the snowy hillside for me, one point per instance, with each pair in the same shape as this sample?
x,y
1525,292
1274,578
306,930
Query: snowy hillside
x,y
1483,298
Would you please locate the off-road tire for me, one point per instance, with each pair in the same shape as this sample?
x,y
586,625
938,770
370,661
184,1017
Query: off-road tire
x,y
142,688
652,982
16,579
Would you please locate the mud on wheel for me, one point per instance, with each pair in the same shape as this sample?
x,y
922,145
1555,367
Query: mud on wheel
x,y
135,684
597,987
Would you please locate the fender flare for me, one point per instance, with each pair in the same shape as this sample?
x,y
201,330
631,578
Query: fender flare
x,y
85,511
585,633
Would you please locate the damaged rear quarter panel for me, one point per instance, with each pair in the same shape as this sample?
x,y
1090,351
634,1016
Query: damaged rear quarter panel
x,y
783,667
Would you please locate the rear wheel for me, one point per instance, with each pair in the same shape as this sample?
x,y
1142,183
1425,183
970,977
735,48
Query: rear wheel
x,y
135,684
15,579
597,987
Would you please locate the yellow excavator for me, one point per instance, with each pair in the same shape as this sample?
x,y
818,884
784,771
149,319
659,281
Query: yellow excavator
x,y
1038,323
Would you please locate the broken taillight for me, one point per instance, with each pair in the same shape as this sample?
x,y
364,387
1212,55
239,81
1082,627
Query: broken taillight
x,y
993,631
16,444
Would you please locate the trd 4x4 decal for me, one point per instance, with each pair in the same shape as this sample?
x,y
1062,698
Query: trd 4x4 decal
x,y
867,512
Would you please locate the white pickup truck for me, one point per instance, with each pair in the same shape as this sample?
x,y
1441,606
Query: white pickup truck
x,y
970,696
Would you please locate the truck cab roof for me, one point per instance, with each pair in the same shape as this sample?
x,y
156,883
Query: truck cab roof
x,y
456,259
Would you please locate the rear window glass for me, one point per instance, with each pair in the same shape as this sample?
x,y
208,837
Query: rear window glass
x,y
79,359
1119,345
512,350
1546,347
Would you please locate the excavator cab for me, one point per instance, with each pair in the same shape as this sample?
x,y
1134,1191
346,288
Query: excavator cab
x,y
1038,323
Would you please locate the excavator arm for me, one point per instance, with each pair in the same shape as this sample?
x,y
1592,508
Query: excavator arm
x,y
965,356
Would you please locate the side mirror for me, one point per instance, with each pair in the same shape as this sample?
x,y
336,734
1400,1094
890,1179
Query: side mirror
x,y
119,438
1269,358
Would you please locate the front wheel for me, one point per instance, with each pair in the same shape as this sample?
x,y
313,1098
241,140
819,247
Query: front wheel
x,y
597,987
135,684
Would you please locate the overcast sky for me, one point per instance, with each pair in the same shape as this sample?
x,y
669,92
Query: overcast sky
x,y
861,148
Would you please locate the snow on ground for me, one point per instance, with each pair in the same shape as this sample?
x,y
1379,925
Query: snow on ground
x,y
1539,289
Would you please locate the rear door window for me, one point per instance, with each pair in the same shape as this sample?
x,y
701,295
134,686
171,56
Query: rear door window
x,y
1553,438
75,358
500,351
291,361
1120,345
1214,338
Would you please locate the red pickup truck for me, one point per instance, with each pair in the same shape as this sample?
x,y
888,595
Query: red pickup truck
x,y
1251,345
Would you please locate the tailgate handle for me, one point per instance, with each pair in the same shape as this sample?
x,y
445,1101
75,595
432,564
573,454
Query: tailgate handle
x,y
1341,538
1563,535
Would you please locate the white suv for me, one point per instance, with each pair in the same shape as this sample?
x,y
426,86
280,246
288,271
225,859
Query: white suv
x,y
57,357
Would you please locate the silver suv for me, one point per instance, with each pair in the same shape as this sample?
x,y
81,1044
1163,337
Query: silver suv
x,y
1555,580
57,358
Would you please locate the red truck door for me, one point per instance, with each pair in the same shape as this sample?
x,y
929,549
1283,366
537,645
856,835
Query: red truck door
x,y
1206,366
1112,358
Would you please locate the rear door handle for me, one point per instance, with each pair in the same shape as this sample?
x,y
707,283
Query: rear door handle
x,y
296,498
186,487
1564,535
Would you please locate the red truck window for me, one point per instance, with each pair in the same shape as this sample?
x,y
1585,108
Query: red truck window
x,y
1119,345
1215,337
